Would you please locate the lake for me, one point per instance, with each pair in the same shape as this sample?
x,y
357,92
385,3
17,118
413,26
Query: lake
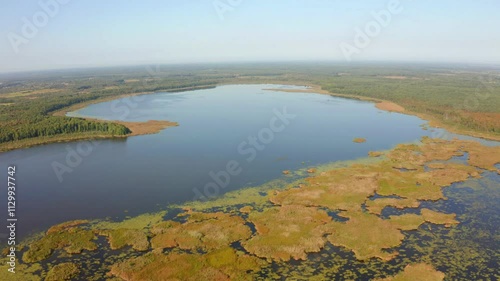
x,y
245,131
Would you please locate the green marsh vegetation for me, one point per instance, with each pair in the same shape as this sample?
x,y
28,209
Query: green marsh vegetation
x,y
336,223
385,216
62,271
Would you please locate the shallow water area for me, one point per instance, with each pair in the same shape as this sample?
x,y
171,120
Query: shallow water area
x,y
126,177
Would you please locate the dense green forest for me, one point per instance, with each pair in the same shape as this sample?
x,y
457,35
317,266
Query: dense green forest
x,y
31,118
470,100
26,106
465,97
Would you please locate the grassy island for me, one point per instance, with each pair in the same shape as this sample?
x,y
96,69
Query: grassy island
x,y
238,236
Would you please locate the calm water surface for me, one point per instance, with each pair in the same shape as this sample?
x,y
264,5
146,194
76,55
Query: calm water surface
x,y
115,178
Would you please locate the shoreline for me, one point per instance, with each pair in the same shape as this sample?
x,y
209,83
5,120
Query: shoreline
x,y
137,128
77,106
149,127
394,107
256,209
155,126
440,174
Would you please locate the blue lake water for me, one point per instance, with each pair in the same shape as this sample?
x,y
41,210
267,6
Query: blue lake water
x,y
236,124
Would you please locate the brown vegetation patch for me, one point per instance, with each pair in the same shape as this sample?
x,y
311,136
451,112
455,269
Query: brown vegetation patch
x,y
287,232
376,206
344,189
119,238
414,185
148,127
201,231
73,240
366,235
483,119
439,218
447,174
417,272
369,236
62,272
406,156
224,264
441,150
375,154
246,209
132,80
390,106
407,221
481,156
65,225
484,157
397,77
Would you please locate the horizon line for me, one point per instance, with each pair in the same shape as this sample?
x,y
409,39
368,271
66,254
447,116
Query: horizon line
x,y
490,65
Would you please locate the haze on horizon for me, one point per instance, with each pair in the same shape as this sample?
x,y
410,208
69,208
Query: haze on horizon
x,y
106,33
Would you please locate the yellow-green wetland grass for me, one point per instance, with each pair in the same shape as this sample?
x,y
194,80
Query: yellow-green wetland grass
x,y
417,272
62,271
390,217
359,140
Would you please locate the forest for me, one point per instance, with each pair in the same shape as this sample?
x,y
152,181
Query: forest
x,y
468,100
27,105
464,97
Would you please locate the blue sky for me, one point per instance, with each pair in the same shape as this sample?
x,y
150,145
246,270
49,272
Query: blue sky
x,y
85,33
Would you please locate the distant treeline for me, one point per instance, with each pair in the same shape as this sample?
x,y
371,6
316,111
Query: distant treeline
x,y
51,126
30,116
471,101
31,119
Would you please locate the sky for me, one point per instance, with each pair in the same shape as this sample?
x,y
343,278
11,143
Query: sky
x,y
53,34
